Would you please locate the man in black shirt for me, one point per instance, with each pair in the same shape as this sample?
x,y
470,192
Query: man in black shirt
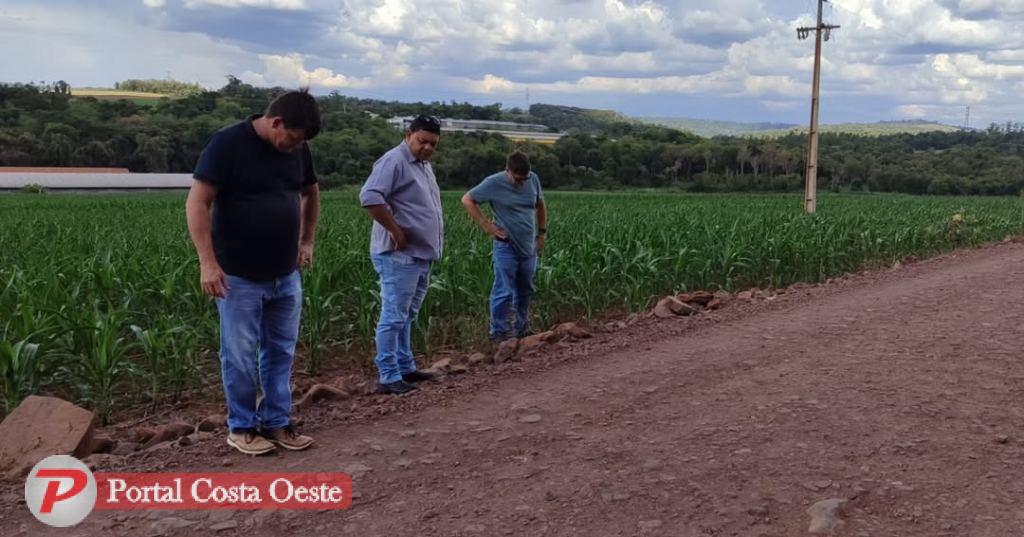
x,y
257,176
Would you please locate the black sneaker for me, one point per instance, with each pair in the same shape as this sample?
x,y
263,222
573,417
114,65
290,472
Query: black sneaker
x,y
498,338
397,387
417,376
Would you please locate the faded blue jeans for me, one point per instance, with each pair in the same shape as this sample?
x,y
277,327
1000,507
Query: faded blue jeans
x,y
403,285
259,325
512,289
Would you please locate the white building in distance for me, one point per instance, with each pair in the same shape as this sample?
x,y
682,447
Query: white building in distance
x,y
517,132
16,178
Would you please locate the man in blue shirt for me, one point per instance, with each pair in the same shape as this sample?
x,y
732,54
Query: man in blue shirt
x,y
517,202
404,201
258,178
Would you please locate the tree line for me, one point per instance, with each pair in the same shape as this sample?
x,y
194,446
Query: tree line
x,y
44,125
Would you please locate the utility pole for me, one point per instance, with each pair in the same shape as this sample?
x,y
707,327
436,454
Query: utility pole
x,y
967,119
811,177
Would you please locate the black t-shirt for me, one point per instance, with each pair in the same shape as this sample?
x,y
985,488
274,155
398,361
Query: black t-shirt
x,y
257,209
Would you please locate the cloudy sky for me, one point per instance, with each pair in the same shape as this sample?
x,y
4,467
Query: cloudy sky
x,y
715,59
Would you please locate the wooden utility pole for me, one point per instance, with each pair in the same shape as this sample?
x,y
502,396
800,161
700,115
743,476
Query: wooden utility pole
x,y
811,177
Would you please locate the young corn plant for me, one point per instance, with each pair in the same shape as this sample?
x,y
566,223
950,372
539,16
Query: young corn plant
x,y
167,369
22,367
102,356
318,315
605,252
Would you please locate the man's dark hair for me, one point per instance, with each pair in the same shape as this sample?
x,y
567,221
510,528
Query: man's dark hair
x,y
426,123
297,110
518,163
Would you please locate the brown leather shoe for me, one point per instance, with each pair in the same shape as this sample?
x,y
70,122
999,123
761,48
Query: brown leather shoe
x,y
250,443
288,438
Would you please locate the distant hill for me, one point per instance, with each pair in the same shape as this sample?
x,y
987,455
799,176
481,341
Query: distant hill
x,y
573,119
107,93
881,128
709,128
138,91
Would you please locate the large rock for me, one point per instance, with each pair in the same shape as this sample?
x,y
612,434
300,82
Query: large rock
x,y
212,423
572,330
102,443
171,431
697,297
506,350
614,326
98,461
123,449
442,365
322,392
141,435
686,309
343,384
40,427
671,306
825,516
536,340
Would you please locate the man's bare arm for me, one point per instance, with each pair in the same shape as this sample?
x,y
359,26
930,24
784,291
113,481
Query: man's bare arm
x,y
197,213
383,216
478,216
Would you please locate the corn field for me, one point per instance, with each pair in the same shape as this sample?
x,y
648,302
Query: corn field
x,y
100,302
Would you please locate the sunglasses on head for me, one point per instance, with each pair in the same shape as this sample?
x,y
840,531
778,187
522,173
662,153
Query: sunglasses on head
x,y
429,119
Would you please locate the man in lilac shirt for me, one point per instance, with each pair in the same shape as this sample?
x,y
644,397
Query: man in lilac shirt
x,y
404,201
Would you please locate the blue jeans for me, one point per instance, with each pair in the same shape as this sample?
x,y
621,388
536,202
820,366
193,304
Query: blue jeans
x,y
403,285
259,325
513,286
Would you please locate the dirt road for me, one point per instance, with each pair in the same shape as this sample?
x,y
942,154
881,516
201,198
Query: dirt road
x,y
899,391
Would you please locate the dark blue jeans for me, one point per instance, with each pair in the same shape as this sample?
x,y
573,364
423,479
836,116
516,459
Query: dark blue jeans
x,y
259,326
513,286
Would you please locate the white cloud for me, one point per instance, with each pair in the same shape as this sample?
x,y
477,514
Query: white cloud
x,y
914,111
934,55
1015,55
972,67
492,84
917,22
666,84
290,71
77,46
388,18
270,4
884,50
862,72
774,104
757,86
992,6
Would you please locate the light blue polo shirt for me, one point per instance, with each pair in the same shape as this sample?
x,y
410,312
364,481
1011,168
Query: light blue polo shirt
x,y
514,207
